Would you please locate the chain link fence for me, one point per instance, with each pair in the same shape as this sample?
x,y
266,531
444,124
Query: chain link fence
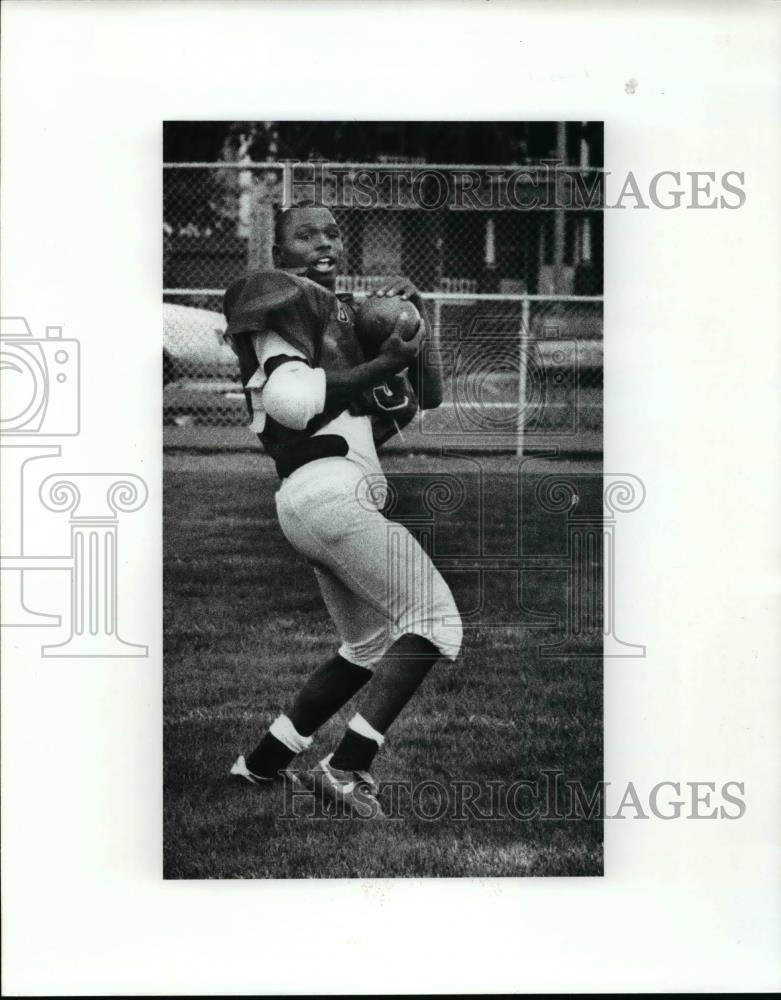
x,y
515,292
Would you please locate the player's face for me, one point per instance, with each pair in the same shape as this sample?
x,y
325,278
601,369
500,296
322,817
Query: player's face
x,y
311,244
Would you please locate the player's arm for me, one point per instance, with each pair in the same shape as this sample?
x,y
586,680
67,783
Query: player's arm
x,y
425,373
396,355
295,392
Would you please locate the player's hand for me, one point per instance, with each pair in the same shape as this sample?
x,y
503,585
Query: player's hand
x,y
402,350
400,286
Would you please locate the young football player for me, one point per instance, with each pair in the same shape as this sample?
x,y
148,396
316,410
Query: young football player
x,y
321,408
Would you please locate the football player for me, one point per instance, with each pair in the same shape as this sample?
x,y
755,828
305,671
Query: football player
x,y
321,408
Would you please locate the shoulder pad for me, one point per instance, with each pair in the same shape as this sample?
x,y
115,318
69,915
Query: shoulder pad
x,y
293,307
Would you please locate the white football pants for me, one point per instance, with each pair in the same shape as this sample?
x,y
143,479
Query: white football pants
x,y
377,582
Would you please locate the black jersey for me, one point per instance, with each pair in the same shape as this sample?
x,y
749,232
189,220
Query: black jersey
x,y
320,326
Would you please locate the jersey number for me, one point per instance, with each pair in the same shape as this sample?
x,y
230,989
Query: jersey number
x,y
389,399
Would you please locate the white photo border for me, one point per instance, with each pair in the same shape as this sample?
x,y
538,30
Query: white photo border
x,y
692,375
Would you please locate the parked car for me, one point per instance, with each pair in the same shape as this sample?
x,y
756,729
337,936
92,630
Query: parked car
x,y
193,345
200,372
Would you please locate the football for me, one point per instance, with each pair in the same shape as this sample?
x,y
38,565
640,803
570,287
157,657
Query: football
x,y
377,316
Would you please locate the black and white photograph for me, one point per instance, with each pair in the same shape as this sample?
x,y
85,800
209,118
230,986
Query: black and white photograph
x,y
389,488
383,499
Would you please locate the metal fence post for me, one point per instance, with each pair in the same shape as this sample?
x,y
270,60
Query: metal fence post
x,y
524,334
261,235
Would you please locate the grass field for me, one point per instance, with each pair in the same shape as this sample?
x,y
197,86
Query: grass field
x,y
244,626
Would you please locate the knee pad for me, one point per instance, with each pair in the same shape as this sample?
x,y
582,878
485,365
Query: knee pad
x,y
366,653
432,615
438,621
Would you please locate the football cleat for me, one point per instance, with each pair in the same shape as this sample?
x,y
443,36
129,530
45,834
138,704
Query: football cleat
x,y
357,790
240,771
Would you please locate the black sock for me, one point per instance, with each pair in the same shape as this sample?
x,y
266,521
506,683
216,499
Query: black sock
x,y
355,752
329,688
397,677
269,757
